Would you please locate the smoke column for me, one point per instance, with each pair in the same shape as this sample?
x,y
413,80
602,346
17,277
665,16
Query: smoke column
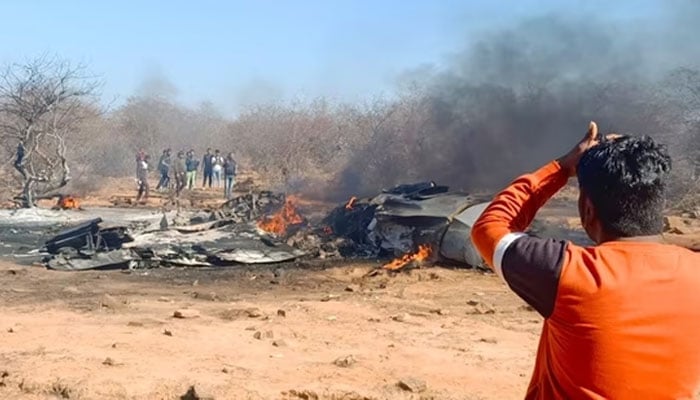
x,y
515,98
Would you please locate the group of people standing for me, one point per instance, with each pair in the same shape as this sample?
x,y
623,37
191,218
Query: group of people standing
x,y
180,172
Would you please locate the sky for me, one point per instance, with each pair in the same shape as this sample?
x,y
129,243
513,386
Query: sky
x,y
233,53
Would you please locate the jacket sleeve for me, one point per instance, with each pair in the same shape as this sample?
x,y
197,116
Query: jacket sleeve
x,y
529,265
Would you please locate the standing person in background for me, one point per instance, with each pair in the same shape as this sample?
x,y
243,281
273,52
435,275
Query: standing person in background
x,y
192,164
142,176
207,167
164,169
180,172
140,155
218,166
229,175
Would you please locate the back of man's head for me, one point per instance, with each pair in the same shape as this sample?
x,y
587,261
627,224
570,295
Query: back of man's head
x,y
625,180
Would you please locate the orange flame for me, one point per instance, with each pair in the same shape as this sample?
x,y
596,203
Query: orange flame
x,y
279,222
351,203
67,203
424,251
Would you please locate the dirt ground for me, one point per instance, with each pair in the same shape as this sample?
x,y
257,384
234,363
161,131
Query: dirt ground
x,y
309,330
342,335
285,332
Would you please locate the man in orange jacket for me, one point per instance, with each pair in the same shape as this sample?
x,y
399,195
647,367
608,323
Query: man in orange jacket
x,y
622,318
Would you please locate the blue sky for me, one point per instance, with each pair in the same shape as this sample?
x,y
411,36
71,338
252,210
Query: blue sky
x,y
233,52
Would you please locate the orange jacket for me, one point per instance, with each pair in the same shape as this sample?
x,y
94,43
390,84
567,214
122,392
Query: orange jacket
x,y
622,319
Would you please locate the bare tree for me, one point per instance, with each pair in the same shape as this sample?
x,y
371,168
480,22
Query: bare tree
x,y
42,103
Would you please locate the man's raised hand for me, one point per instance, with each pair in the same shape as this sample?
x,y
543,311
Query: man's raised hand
x,y
569,161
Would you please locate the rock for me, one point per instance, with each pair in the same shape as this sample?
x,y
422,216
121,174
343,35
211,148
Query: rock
x,y
108,361
10,330
677,225
440,311
490,340
404,317
304,395
472,302
167,332
224,370
134,324
250,328
526,307
186,313
352,288
192,394
279,343
413,385
263,335
253,312
281,313
345,362
163,299
329,297
110,302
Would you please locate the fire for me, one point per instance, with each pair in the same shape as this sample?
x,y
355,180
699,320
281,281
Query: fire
x,y
424,251
279,222
67,203
351,203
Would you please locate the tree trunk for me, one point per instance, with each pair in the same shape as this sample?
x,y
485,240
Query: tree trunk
x,y
27,197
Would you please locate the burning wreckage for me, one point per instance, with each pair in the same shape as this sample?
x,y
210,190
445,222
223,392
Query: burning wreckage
x,y
413,224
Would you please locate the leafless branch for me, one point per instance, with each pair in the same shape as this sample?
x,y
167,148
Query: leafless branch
x,y
41,104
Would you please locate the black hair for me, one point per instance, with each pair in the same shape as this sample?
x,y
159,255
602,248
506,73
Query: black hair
x,y
625,179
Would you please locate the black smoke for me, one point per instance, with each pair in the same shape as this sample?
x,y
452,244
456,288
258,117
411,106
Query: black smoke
x,y
515,98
